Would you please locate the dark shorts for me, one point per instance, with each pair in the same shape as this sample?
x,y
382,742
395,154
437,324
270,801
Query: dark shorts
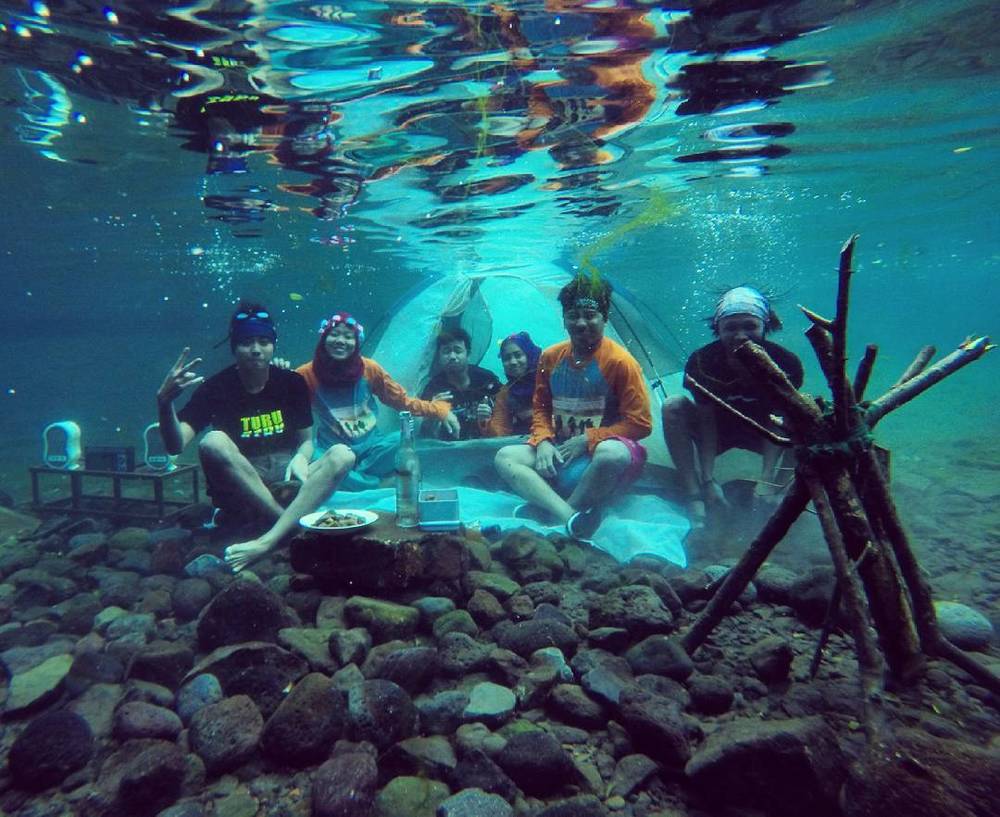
x,y
271,468
566,479
733,433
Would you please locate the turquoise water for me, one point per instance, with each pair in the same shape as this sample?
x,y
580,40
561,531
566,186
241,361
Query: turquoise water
x,y
404,141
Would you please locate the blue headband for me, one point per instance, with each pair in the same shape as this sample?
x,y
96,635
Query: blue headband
x,y
252,327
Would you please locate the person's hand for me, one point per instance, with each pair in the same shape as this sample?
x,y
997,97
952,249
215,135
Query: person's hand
x,y
281,362
484,411
712,493
572,448
452,428
298,468
446,396
179,377
546,457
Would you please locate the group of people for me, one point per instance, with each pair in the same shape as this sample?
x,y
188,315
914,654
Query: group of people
x,y
580,406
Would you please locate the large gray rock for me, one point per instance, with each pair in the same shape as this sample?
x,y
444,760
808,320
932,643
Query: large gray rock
x,y
635,607
230,663
526,637
573,705
537,763
138,719
162,662
407,796
475,770
413,668
225,735
772,659
426,757
385,620
660,655
460,654
963,626
52,747
381,712
201,691
810,595
490,703
142,778
442,713
475,803
344,786
38,686
306,724
244,611
631,773
785,768
655,726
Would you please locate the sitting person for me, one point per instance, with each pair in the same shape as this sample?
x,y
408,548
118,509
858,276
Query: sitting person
x,y
345,388
590,409
511,414
466,387
701,426
261,433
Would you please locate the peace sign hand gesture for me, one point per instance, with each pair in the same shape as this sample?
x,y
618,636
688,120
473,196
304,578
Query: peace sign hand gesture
x,y
179,377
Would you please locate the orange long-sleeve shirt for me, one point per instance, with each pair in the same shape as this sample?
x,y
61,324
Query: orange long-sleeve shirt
x,y
605,397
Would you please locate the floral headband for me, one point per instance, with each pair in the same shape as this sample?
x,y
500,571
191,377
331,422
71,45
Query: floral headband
x,y
347,320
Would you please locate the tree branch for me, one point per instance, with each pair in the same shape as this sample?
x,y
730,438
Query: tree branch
x,y
917,366
789,509
871,664
777,439
800,409
970,350
843,400
864,371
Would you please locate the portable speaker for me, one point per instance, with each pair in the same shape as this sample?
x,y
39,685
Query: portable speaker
x,y
61,445
156,456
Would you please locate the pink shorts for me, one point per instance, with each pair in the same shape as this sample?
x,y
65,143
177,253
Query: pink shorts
x,y
567,478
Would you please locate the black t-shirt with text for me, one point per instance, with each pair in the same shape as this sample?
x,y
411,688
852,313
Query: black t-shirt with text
x,y
710,367
482,383
261,423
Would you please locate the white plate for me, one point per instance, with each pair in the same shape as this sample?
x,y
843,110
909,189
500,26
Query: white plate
x,y
310,519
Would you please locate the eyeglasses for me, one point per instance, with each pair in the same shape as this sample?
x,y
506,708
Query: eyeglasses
x,y
243,316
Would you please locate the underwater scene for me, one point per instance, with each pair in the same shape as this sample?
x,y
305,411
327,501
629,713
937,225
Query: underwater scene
x,y
428,408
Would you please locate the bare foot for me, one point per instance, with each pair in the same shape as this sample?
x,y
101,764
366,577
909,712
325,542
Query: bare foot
x,y
242,554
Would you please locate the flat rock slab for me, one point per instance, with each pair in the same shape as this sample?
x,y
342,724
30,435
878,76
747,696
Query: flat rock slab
x,y
37,686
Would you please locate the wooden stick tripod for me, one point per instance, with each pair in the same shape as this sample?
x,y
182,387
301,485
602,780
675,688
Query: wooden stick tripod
x,y
886,598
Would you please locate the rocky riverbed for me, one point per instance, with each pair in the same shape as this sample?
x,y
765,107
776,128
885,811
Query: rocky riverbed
x,y
536,678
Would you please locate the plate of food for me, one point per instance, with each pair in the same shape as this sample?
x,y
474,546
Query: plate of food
x,y
341,520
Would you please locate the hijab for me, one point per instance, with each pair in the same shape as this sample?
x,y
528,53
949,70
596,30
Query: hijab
x,y
523,388
332,372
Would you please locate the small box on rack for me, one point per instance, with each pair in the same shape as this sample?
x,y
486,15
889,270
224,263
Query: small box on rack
x,y
438,509
117,458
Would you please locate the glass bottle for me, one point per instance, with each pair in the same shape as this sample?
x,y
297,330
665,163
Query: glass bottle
x,y
407,474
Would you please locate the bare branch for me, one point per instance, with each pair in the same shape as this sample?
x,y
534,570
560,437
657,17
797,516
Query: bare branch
x,y
777,439
970,350
864,371
800,409
736,580
917,366
816,319
871,664
843,400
